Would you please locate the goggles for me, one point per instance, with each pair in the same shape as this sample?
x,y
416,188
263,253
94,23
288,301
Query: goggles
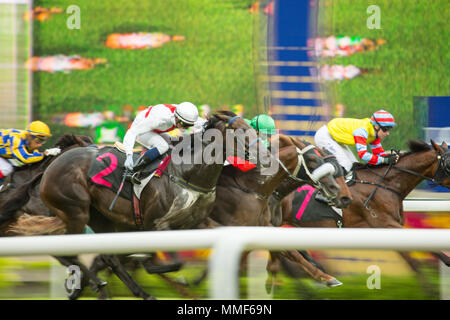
x,y
39,139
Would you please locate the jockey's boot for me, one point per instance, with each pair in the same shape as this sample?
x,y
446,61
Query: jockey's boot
x,y
148,157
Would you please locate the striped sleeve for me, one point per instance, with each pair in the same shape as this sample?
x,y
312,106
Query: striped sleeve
x,y
19,151
360,135
377,148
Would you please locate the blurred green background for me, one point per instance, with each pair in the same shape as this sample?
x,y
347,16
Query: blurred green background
x,y
414,61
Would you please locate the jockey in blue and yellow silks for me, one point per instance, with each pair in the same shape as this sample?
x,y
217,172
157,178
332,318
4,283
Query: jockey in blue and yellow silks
x,y
20,147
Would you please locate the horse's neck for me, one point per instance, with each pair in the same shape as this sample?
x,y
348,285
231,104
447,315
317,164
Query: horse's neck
x,y
268,184
200,175
405,182
286,187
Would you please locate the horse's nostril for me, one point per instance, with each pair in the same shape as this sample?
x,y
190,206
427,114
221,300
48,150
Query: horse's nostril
x,y
346,200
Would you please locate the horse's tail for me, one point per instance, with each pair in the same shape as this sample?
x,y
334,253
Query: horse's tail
x,y
18,199
27,225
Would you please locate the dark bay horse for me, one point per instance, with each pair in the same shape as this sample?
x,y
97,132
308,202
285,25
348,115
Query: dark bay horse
x,y
14,202
242,197
182,198
384,209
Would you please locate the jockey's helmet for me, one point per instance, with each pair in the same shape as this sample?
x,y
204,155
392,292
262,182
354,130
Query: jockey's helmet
x,y
39,128
263,124
187,113
383,118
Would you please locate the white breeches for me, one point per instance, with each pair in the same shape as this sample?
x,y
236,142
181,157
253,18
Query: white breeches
x,y
344,155
6,168
152,139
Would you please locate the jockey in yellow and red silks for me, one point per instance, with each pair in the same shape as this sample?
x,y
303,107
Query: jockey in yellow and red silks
x,y
339,133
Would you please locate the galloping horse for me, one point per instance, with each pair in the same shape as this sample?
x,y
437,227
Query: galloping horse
x,y
242,197
384,208
181,198
14,201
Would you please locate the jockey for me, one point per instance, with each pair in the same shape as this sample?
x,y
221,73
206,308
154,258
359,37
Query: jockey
x,y
339,133
264,126
150,124
20,147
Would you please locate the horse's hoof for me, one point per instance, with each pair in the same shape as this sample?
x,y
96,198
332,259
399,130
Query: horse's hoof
x,y
150,298
334,283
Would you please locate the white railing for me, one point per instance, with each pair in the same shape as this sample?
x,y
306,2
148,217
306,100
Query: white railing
x,y
228,243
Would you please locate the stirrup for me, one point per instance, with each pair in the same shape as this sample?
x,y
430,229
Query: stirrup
x,y
134,179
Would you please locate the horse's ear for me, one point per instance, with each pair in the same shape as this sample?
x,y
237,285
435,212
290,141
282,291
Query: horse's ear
x,y
444,145
436,146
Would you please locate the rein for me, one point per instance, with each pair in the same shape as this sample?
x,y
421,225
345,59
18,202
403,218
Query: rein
x,y
183,183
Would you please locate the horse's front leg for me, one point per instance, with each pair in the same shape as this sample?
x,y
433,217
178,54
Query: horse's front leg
x,y
114,263
312,270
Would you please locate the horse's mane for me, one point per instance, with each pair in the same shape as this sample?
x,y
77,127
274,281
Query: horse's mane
x,y
414,146
69,139
215,118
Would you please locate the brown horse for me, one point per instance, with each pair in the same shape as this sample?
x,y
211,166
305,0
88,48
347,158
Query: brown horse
x,y
384,208
14,201
242,197
182,198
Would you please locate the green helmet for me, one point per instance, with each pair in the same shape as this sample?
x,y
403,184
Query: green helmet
x,y
263,124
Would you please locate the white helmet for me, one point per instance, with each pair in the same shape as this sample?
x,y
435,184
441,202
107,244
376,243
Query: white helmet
x,y
187,112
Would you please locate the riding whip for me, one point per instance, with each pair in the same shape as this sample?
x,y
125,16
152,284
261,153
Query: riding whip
x,y
125,173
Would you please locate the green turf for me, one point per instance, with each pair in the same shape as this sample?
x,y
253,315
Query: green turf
x,y
213,66
414,62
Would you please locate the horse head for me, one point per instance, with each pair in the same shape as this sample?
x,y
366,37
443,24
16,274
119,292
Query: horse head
x,y
68,140
441,175
237,132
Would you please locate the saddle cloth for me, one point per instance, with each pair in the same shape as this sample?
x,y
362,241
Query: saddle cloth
x,y
305,208
107,170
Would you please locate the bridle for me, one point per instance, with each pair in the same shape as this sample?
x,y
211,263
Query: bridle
x,y
314,177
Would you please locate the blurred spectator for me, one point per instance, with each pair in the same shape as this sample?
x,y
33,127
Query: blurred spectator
x,y
343,45
110,130
341,72
62,63
140,40
41,14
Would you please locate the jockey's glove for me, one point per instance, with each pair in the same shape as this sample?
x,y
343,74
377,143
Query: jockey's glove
x,y
129,163
52,152
391,159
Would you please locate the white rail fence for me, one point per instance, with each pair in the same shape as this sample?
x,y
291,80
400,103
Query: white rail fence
x,y
228,243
